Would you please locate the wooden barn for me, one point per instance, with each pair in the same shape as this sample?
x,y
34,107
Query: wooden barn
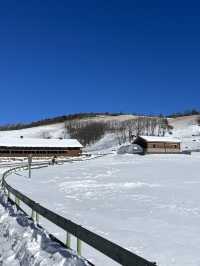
x,y
152,144
22,147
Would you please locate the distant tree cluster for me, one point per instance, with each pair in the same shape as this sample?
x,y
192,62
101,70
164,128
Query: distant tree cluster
x,y
86,132
89,131
185,113
127,130
78,116
58,119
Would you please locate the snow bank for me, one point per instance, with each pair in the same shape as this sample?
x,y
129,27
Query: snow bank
x,y
23,243
106,144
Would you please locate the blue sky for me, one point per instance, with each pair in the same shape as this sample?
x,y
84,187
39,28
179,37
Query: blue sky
x,y
60,57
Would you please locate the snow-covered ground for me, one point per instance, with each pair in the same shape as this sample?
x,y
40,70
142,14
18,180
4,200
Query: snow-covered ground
x,y
23,243
148,204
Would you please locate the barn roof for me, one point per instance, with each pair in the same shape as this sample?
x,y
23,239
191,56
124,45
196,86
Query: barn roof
x,y
33,142
160,139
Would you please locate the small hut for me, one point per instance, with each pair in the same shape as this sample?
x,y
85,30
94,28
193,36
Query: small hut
x,y
152,144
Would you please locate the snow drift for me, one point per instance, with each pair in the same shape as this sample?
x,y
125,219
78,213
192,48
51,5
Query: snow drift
x,y
23,243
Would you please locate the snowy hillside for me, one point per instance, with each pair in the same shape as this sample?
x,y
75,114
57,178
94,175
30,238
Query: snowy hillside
x,y
185,128
57,130
52,131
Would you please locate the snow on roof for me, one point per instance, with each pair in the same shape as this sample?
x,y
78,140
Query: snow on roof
x,y
31,142
160,139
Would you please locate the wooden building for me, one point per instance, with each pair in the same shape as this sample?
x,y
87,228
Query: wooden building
x,y
22,147
152,144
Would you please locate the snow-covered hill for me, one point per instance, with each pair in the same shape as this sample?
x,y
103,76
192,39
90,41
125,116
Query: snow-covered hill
x,y
52,131
185,128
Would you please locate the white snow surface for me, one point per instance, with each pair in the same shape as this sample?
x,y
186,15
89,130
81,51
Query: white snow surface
x,y
147,204
187,129
22,243
35,142
106,144
53,131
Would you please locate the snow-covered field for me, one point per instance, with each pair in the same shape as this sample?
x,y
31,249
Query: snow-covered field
x,y
148,204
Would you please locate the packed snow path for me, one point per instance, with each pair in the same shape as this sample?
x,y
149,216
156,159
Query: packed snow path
x,y
148,204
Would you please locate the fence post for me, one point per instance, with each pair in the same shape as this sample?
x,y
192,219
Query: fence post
x,y
68,240
33,214
79,246
17,202
37,217
29,165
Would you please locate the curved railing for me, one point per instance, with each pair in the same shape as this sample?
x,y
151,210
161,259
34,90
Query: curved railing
x,y
108,248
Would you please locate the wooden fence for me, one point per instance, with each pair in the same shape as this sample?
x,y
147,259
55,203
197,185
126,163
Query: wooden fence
x,y
108,248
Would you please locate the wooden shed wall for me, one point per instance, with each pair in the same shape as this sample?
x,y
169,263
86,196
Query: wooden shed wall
x,y
39,152
162,147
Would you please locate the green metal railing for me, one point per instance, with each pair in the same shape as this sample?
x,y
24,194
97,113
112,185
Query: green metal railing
x,y
108,248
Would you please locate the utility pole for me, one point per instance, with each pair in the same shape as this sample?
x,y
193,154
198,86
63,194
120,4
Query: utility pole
x,y
29,165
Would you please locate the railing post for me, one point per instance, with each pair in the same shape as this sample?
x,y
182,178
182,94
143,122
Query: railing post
x,y
33,214
17,201
37,217
68,240
29,165
79,246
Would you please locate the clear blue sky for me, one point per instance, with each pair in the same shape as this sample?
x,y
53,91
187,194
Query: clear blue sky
x,y
59,57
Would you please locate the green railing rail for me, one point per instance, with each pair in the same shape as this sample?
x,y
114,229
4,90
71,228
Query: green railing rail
x,y
108,248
